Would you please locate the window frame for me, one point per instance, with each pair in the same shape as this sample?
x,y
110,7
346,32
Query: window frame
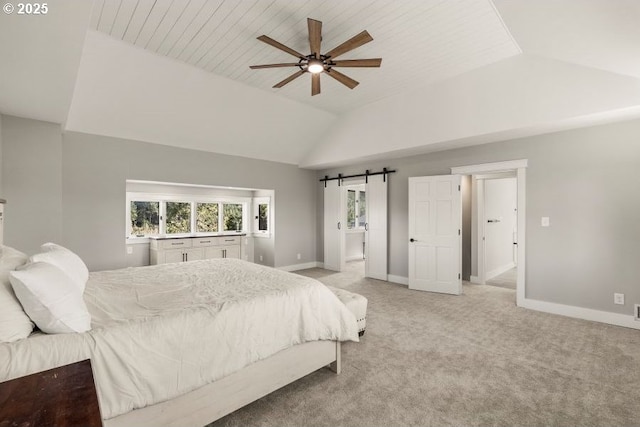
x,y
163,198
257,201
357,200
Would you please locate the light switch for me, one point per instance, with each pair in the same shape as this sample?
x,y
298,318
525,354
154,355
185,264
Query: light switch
x,y
545,221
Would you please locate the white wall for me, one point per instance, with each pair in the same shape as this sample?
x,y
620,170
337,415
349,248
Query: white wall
x,y
519,96
353,243
500,203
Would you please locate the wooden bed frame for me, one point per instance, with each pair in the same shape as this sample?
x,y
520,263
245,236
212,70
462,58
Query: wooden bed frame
x,y
215,400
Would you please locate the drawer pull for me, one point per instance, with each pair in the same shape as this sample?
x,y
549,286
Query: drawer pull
x,y
230,240
205,241
177,244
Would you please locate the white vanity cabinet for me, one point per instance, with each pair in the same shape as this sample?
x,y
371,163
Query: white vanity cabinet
x,y
167,249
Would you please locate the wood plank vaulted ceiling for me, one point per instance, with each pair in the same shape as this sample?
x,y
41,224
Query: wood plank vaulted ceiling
x,y
420,41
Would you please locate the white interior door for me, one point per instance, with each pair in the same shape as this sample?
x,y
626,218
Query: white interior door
x,y
334,226
376,228
435,234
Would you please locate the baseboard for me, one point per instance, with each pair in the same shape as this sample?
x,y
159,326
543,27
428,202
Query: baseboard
x,y
401,280
476,280
617,319
303,266
498,271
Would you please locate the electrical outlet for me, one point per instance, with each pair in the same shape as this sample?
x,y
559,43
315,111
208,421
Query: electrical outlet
x,y
299,256
260,258
618,299
636,312
544,221
129,250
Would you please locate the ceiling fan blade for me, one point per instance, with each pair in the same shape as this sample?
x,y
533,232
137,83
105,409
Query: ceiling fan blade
x,y
347,81
375,62
354,42
315,36
289,79
290,64
315,84
278,45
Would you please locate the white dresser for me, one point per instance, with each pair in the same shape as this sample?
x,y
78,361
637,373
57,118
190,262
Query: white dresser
x,y
168,249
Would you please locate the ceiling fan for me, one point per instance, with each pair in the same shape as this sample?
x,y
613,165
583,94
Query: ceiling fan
x,y
315,63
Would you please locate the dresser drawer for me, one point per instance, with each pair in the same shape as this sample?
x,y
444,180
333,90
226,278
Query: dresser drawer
x,y
229,240
199,242
175,243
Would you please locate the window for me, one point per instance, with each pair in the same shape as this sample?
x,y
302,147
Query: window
x,y
232,216
145,218
175,214
207,217
261,215
356,209
178,217
362,209
351,209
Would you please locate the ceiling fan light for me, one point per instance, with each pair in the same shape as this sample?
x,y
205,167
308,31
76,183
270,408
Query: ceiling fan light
x,y
315,67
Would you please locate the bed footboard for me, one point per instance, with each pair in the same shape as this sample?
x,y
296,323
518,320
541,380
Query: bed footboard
x,y
215,400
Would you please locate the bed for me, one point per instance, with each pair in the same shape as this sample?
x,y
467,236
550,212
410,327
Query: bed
x,y
187,343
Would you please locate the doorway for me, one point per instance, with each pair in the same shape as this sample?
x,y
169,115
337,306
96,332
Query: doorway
x,y
355,225
493,170
355,234
494,203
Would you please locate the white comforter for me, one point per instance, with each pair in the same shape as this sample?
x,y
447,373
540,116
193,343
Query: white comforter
x,y
164,330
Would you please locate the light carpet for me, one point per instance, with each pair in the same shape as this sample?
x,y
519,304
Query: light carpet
x,y
471,360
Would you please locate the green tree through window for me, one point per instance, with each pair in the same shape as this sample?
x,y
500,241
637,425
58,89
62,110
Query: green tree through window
x,y
263,224
145,218
351,209
178,217
207,217
232,217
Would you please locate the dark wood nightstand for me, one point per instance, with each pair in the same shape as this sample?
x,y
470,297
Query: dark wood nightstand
x,y
64,396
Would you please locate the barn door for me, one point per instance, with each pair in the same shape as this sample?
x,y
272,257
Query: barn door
x,y
334,225
376,227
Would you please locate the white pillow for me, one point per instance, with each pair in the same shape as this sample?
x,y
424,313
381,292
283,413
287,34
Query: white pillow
x,y
50,298
14,323
65,260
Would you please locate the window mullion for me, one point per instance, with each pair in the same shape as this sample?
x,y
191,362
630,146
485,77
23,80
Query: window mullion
x,y
220,217
163,217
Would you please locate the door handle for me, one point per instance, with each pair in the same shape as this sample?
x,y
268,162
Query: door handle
x,y
412,240
366,226
339,225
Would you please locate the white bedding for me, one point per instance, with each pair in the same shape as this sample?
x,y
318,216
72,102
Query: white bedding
x,y
164,330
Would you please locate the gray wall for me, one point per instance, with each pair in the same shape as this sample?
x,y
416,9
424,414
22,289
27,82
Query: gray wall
x,y
31,182
70,188
585,180
94,174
